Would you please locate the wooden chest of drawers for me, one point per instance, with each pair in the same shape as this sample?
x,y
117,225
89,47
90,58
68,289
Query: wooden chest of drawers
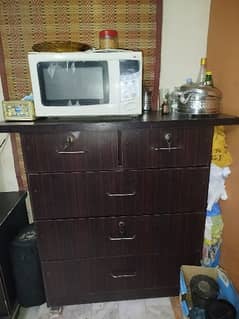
x,y
119,204
118,210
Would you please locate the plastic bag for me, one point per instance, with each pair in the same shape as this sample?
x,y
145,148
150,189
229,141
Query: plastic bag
x,y
220,153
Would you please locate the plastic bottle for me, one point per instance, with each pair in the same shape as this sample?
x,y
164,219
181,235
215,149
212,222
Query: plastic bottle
x,y
202,72
189,81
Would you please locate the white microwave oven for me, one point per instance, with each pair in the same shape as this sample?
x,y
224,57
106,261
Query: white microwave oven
x,y
86,83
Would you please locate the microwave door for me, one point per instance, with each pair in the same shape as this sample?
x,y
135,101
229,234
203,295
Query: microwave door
x,y
73,83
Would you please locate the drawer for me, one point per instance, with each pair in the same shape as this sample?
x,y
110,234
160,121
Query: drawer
x,y
174,190
103,193
166,147
73,282
70,151
106,193
117,236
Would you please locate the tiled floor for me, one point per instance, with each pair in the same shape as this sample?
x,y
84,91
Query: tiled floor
x,y
155,308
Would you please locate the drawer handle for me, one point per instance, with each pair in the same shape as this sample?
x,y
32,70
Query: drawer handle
x,y
71,152
122,238
174,148
121,194
168,139
130,275
69,141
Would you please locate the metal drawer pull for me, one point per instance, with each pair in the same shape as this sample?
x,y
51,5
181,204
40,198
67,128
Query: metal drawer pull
x,y
133,274
120,194
71,152
168,139
167,148
69,141
122,238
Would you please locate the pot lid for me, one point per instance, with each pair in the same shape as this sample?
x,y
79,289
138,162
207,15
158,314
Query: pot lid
x,y
202,90
204,287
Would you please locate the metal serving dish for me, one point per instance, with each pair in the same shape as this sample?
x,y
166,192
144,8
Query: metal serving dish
x,y
195,99
60,46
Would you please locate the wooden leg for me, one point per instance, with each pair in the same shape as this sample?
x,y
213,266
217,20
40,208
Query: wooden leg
x,y
56,312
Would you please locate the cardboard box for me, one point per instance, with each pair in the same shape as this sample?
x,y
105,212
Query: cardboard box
x,y
226,289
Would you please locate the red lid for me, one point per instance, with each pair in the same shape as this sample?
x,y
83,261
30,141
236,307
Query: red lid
x,y
108,33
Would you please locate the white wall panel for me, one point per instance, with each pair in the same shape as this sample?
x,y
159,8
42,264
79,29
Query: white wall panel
x,y
184,40
8,180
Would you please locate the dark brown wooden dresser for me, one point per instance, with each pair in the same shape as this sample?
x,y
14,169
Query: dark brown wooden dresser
x,y
119,204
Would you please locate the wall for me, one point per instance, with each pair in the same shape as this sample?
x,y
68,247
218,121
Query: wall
x,y
223,60
8,181
184,40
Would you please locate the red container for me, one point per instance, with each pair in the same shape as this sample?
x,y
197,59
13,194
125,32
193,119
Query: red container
x,y
108,39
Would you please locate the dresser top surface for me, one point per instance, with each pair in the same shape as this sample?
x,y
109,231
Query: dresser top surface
x,y
151,119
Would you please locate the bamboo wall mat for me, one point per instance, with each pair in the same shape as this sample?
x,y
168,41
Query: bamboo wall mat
x,y
26,22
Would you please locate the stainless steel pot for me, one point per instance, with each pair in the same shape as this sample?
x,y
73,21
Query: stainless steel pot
x,y
195,99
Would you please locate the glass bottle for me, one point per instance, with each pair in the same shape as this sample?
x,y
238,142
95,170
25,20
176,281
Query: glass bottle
x,y
165,108
208,79
202,72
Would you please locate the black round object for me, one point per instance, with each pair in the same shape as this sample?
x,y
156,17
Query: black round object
x,y
204,289
220,309
26,268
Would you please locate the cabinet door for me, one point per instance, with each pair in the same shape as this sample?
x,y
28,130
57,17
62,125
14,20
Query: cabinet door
x,y
70,151
166,147
168,235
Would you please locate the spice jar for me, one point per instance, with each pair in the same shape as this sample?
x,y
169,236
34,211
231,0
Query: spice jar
x,y
165,108
108,39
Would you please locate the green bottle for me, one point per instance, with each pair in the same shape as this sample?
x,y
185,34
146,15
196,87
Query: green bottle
x,y
208,79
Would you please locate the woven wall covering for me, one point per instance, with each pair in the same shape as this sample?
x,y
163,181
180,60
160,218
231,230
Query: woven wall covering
x,y
26,22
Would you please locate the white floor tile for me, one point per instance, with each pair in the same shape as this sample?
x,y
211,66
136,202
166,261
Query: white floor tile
x,y
159,308
132,309
155,308
106,310
83,311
